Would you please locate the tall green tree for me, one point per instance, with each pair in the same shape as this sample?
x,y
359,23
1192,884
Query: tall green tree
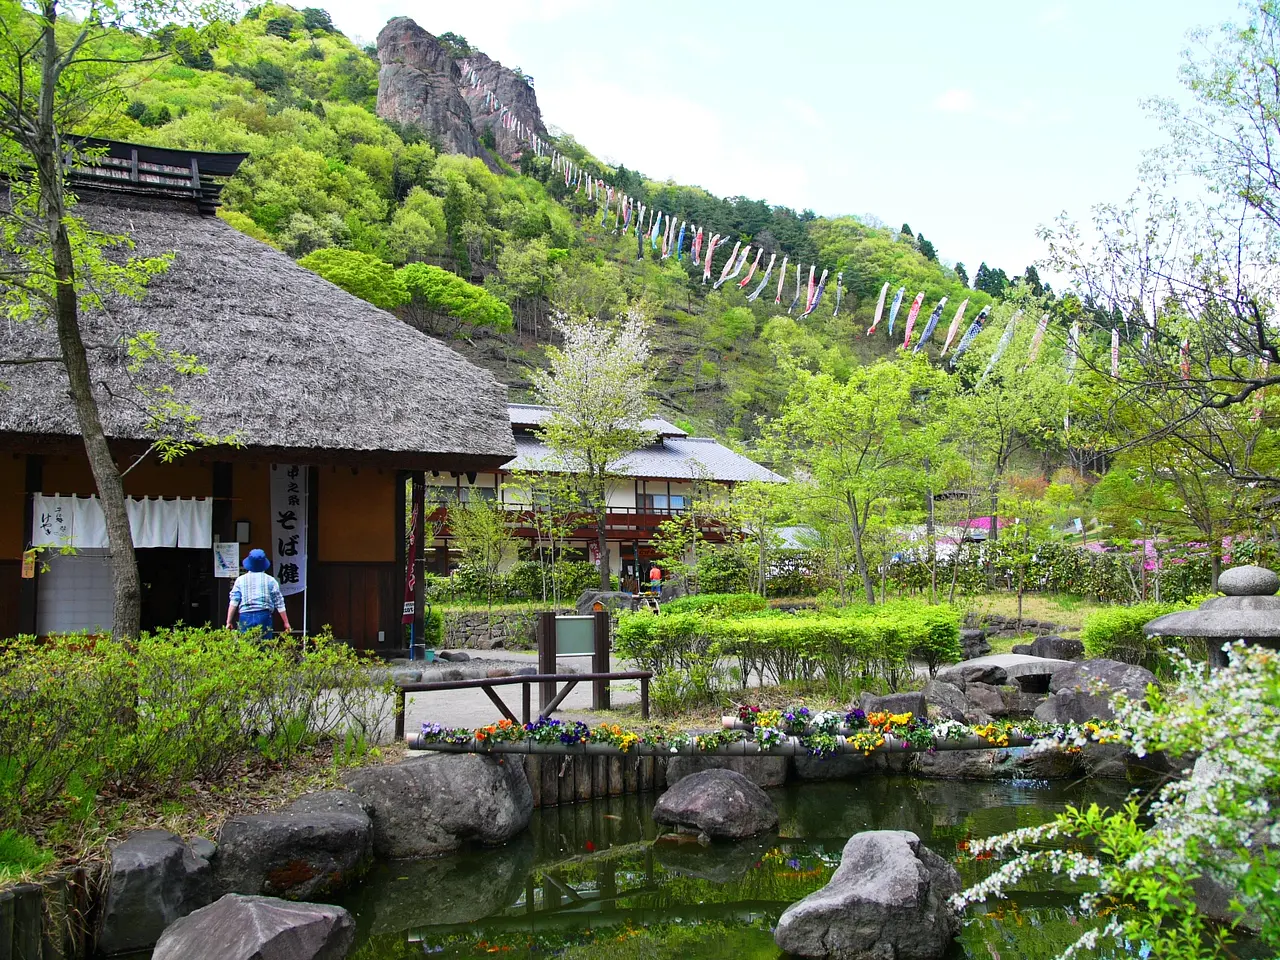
x,y
850,442
60,75
597,384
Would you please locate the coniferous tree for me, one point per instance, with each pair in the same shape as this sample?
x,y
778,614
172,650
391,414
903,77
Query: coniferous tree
x,y
962,273
925,247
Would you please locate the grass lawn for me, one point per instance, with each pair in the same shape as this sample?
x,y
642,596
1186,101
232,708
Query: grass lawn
x,y
1058,608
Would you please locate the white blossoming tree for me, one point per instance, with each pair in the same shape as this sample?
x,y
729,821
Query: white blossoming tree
x,y
598,387
1217,826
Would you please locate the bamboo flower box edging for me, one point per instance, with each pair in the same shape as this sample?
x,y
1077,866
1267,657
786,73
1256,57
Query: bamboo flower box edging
x,y
754,732
791,747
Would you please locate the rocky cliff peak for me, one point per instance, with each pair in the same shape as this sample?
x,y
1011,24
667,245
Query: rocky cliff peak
x,y
421,83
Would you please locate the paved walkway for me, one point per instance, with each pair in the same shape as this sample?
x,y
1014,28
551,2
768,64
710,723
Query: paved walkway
x,y
471,708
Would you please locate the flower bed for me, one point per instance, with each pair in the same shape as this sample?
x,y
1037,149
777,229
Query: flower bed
x,y
796,730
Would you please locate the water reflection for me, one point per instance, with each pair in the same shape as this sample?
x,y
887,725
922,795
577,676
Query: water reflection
x,y
594,880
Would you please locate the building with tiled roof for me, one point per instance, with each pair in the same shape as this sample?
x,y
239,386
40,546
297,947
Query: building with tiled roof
x,y
655,482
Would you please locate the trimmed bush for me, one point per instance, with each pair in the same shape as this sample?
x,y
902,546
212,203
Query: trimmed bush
x,y
1117,634
869,644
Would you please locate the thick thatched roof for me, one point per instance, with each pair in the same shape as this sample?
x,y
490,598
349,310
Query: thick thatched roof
x,y
295,363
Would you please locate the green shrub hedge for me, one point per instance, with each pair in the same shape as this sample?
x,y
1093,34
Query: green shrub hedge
x,y
719,604
1117,634
857,643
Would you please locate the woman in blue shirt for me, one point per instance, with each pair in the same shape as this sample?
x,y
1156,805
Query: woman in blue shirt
x,y
256,595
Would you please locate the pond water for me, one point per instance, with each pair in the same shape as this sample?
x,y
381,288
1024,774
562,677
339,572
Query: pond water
x,y
594,880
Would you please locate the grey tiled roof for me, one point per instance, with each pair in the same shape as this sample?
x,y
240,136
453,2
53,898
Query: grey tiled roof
x,y
675,458
533,415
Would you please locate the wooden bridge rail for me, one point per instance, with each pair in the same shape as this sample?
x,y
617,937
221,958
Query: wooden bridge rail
x,y
527,681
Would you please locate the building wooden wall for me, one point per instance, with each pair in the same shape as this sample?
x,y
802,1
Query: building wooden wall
x,y
356,582
12,508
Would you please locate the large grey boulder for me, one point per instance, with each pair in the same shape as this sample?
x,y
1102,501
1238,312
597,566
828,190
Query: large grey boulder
x,y
259,928
984,698
1013,763
762,771
431,805
973,641
316,846
154,879
978,670
1057,648
886,901
912,702
1083,691
946,701
718,803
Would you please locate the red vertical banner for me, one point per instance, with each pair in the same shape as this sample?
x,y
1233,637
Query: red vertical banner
x,y
410,562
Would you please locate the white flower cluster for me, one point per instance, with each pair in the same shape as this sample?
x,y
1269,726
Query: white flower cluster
x,y
1214,823
950,730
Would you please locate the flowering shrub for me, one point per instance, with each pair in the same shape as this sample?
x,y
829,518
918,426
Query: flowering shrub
x,y
1219,824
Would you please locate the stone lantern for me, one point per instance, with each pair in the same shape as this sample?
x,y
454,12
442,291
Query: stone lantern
x,y
1250,611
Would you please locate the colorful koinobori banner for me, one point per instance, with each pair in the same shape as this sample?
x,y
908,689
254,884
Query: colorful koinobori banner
x,y
676,237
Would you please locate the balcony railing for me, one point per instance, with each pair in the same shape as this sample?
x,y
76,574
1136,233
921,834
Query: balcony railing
x,y
621,523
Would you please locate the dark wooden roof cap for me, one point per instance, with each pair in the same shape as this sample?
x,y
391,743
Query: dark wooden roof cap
x,y
137,168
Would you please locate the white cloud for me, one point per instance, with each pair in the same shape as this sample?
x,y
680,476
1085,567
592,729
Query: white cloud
x,y
672,136
955,101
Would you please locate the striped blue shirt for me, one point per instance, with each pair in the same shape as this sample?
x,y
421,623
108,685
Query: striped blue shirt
x,y
257,591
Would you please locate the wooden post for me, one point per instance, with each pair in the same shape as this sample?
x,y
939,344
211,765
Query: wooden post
x,y
397,638
526,692
644,698
419,563
546,657
402,703
224,530
28,921
600,661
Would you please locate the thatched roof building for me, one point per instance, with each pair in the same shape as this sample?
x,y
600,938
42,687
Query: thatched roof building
x,y
294,362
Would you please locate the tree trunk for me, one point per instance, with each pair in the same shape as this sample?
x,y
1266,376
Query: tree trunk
x,y
955,566
1215,562
126,611
855,527
760,570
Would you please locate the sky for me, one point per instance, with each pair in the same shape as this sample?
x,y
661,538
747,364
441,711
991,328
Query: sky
x,y
974,123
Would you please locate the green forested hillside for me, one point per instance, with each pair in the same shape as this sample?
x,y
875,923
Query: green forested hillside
x,y
325,172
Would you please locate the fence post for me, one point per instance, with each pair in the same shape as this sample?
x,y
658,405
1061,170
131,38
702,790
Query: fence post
x,y
400,708
600,661
644,698
546,657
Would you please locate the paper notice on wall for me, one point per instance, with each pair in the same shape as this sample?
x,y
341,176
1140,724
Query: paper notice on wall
x,y
226,560
289,526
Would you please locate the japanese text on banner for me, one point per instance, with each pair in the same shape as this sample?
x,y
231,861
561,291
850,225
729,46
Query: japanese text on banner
x,y
289,526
